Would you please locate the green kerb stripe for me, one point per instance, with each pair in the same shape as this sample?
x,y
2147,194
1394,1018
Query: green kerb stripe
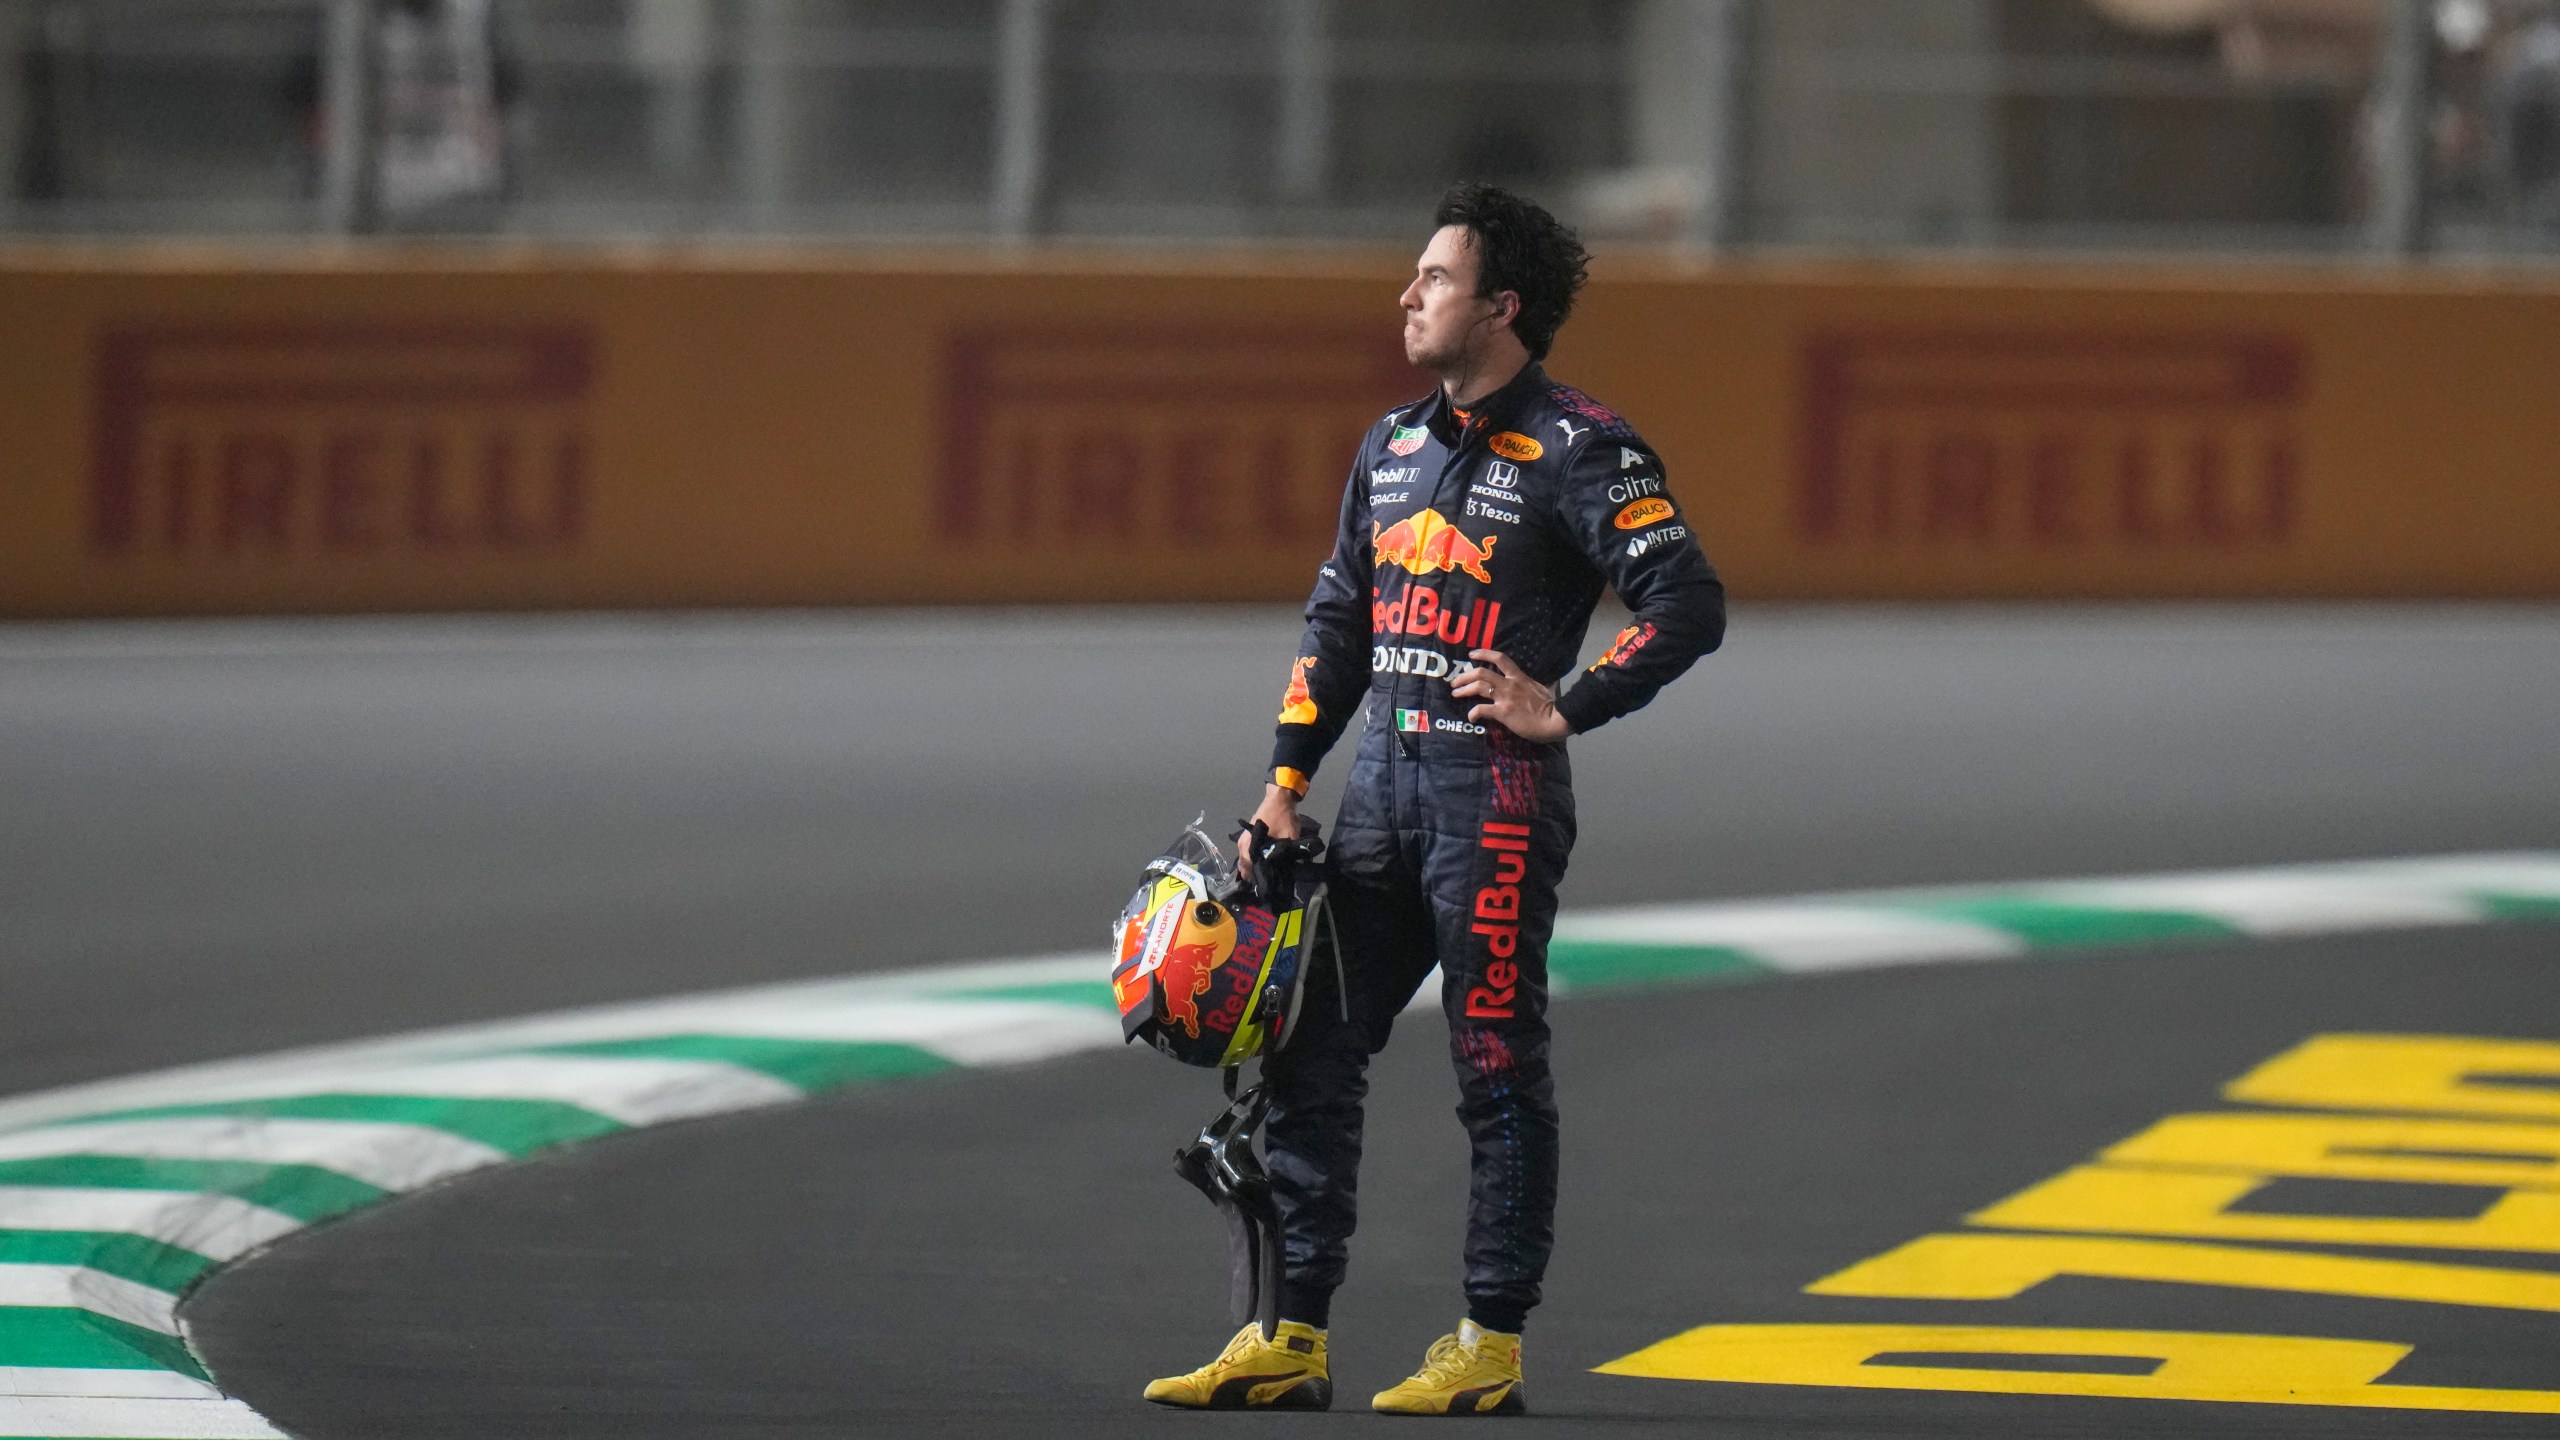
x,y
1056,992
1600,964
45,1337
518,1127
2521,907
305,1192
131,1257
809,1064
2050,924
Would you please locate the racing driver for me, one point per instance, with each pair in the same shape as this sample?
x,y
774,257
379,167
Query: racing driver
x,y
1478,528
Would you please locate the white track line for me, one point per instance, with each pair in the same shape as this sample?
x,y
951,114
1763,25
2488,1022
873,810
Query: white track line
x,y
632,1091
385,1156
88,1418
215,1226
77,1287
1800,938
29,1380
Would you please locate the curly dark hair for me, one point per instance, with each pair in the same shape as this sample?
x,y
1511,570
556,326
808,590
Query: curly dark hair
x,y
1523,249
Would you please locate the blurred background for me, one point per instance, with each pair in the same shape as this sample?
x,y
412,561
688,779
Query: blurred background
x,y
902,332
2399,127
934,411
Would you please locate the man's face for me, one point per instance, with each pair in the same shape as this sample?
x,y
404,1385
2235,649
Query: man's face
x,y
1446,324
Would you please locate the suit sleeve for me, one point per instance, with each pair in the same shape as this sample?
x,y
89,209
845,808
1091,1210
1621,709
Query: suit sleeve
x,y
1644,546
1330,677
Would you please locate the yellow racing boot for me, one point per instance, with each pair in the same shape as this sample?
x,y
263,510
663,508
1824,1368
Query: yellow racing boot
x,y
1286,1372
1474,1372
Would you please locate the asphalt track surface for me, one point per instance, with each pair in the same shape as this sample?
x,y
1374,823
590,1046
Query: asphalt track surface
x,y
224,839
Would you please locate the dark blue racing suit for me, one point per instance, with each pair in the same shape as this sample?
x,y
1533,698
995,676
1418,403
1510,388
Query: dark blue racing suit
x,y
1491,528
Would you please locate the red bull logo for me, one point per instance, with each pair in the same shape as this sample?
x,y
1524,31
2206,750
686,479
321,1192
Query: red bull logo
x,y
1184,977
1418,612
1497,919
1297,704
1624,648
1426,544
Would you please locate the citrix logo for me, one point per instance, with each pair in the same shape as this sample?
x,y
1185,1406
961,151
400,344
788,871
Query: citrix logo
x,y
1626,490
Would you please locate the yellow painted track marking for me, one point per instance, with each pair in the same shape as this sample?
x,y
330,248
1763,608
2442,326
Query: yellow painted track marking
x,y
2260,1369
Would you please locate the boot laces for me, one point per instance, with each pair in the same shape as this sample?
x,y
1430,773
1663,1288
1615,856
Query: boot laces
x,y
1248,1340
1446,1360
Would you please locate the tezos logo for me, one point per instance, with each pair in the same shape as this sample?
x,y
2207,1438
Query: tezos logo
x,y
1512,445
1501,476
1643,513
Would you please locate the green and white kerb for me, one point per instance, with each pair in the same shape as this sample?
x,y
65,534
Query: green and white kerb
x,y
116,1198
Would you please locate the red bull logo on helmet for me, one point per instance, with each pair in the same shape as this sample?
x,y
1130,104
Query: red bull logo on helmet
x,y
1173,953
1183,978
1425,543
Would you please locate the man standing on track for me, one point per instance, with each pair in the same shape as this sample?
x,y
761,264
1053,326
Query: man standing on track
x,y
1479,527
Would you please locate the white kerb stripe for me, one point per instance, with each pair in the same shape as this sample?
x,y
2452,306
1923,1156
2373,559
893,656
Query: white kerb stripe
x,y
633,1091
966,1032
2524,874
2277,902
383,1155
87,1418
215,1226
23,1380
1798,937
77,1287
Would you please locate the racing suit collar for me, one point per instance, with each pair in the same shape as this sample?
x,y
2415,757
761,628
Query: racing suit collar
x,y
1490,413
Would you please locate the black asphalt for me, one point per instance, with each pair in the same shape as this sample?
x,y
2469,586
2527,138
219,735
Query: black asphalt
x,y
220,839
1009,1254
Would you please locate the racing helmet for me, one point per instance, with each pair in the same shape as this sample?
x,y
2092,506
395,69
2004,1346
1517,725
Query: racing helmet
x,y
1206,967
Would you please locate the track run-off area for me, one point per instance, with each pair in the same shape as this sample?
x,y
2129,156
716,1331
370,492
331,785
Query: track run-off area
x,y
2271,1119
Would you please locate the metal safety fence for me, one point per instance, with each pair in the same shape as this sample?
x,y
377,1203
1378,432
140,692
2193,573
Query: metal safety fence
x,y
2392,127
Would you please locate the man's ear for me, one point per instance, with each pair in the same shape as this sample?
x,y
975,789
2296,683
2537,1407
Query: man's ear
x,y
1506,307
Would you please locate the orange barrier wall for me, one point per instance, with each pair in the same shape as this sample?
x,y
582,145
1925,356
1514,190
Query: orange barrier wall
x,y
384,435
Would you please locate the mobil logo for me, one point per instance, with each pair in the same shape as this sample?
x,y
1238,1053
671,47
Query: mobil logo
x,y
1425,543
